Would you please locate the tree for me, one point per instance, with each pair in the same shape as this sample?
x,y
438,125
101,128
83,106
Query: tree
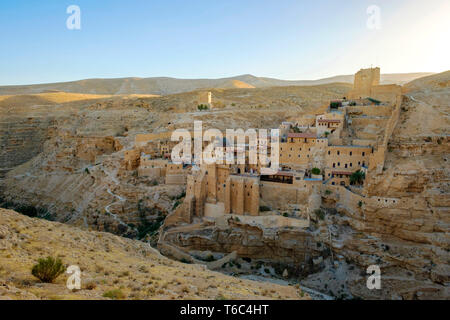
x,y
357,177
47,270
315,171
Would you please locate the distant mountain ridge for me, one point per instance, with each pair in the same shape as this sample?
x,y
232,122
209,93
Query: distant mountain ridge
x,y
166,85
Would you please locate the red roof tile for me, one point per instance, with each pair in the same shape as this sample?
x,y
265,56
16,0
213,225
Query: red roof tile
x,y
302,135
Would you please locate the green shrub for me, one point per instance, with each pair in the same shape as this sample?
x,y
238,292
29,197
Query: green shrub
x,y
327,192
360,203
315,171
320,214
357,177
176,204
210,258
47,270
116,294
264,208
201,107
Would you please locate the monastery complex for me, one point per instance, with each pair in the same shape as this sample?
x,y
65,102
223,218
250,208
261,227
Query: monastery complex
x,y
331,152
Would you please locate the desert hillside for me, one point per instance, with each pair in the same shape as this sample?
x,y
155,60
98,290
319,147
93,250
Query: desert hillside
x,y
107,262
164,85
63,156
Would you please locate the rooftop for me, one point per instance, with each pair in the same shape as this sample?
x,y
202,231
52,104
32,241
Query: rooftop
x,y
347,173
326,120
302,135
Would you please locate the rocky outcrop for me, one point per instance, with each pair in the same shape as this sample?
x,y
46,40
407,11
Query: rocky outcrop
x,y
294,248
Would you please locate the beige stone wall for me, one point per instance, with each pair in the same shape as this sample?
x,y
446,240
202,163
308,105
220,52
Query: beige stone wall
x,y
131,159
364,80
388,92
142,139
305,153
243,195
149,172
351,200
322,126
273,221
342,158
176,179
378,111
279,195
214,210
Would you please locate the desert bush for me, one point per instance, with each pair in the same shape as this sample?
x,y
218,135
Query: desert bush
x,y
47,270
201,107
210,258
320,214
90,285
176,204
115,294
357,177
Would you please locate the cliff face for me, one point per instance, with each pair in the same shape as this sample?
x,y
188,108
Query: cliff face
x,y
405,226
294,248
21,139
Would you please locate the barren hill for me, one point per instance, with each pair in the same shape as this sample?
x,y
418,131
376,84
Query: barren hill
x,y
107,263
165,85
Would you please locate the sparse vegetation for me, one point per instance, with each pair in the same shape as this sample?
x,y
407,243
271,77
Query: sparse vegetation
x,y
48,269
201,107
320,214
210,258
115,294
176,204
357,177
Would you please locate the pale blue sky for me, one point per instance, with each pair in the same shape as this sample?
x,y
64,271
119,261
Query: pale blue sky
x,y
287,39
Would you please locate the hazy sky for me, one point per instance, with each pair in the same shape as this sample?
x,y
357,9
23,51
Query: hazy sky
x,y
287,39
